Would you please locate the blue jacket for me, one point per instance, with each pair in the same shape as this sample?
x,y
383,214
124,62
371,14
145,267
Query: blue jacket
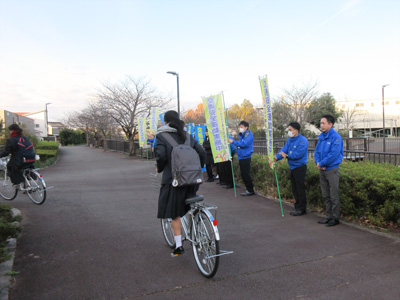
x,y
297,150
244,145
233,149
329,150
153,142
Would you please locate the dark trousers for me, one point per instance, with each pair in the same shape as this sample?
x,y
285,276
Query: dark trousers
x,y
329,181
297,177
226,172
244,165
209,169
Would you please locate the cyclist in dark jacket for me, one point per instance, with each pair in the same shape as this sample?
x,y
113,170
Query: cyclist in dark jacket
x,y
171,201
14,169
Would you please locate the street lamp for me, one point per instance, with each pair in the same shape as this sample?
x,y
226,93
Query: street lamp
x,y
177,87
383,108
47,121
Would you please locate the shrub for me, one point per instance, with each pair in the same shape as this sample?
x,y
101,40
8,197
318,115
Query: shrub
x,y
46,154
368,191
47,145
72,137
8,229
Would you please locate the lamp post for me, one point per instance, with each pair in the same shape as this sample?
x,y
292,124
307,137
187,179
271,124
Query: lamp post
x,y
177,87
383,116
47,121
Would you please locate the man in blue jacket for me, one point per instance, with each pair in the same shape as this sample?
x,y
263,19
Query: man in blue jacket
x,y
327,156
244,148
296,152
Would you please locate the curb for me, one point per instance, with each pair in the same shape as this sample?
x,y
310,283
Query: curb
x,y
7,266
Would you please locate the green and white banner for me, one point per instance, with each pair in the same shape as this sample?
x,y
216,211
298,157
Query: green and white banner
x,y
142,132
268,119
216,124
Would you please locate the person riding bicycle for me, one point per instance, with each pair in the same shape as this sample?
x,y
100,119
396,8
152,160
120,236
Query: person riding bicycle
x,y
171,201
14,168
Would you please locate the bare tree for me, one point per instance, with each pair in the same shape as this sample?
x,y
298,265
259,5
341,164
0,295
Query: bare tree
x,y
84,121
297,99
348,117
129,100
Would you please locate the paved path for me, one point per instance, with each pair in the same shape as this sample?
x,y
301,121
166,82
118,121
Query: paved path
x,y
97,237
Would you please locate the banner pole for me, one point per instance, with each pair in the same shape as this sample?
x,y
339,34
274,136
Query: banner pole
x,y
279,193
230,154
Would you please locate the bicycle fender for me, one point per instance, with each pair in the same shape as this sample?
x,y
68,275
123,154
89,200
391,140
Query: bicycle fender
x,y
215,227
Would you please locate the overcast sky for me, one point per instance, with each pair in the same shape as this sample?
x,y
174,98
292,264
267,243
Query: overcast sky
x,y
60,51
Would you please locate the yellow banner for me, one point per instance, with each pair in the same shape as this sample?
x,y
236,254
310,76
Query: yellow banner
x,y
216,125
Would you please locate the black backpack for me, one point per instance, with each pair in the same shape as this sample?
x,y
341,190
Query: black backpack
x,y
25,155
185,162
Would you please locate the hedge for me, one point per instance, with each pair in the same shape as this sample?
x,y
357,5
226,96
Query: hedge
x,y
368,191
46,154
47,145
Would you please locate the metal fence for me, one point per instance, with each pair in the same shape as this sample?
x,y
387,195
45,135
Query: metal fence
x,y
123,146
355,149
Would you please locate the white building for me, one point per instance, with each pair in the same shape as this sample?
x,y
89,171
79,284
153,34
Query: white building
x,y
366,116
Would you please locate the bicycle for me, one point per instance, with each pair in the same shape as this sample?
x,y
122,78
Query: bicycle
x,y
33,185
199,227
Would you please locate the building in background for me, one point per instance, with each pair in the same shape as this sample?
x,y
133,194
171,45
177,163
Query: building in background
x,y
54,129
366,116
9,118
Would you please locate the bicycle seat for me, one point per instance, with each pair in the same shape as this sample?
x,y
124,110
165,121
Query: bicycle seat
x,y
194,199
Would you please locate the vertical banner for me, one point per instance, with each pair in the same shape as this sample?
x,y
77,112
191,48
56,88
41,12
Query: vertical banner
x,y
268,119
153,119
142,132
200,133
190,129
215,119
162,118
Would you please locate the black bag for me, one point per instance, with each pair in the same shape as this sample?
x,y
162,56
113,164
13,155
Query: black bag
x,y
25,155
185,162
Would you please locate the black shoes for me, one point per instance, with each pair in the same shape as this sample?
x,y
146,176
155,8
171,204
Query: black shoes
x,y
329,222
297,213
324,221
178,251
221,183
332,222
228,186
247,193
210,180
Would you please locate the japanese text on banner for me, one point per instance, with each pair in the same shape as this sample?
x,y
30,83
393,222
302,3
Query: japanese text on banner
x,y
268,120
142,132
154,118
215,118
200,133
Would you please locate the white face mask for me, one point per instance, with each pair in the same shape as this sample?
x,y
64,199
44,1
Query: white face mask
x,y
241,130
290,134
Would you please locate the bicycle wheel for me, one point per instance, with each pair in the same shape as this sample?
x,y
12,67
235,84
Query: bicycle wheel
x,y
168,232
205,247
7,190
36,187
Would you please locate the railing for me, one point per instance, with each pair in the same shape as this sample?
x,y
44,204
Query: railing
x,y
123,146
355,149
